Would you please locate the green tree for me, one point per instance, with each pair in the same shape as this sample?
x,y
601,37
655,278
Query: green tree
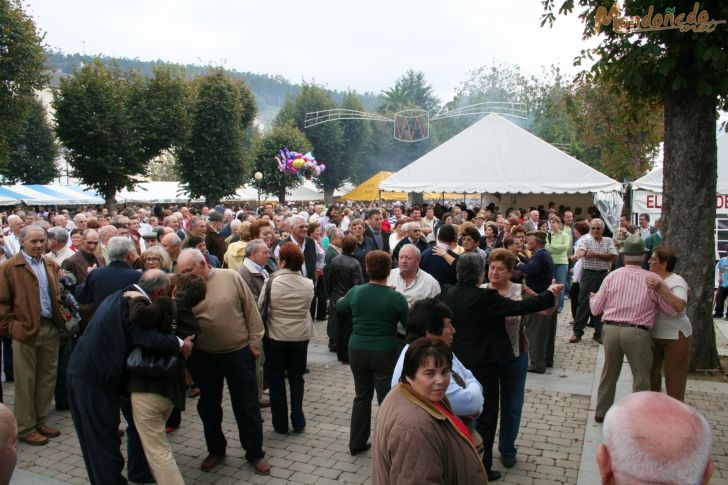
x,y
356,138
326,138
275,182
161,168
686,71
101,118
33,151
211,161
22,71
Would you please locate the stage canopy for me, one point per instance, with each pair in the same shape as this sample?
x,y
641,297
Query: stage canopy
x,y
647,191
47,195
495,156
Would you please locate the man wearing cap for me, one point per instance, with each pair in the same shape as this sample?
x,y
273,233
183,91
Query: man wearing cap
x,y
213,239
151,239
58,245
628,300
540,328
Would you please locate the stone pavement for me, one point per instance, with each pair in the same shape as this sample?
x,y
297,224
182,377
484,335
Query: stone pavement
x,y
557,442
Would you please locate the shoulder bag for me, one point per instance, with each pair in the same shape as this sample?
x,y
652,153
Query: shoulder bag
x,y
148,364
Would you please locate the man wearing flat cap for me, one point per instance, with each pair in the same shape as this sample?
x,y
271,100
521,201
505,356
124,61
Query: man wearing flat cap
x,y
627,300
213,239
540,327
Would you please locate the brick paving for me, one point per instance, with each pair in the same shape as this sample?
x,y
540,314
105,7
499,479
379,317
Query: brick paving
x,y
556,441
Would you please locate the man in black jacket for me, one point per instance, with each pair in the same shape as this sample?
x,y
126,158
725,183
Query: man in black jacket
x,y
374,236
97,380
307,245
414,236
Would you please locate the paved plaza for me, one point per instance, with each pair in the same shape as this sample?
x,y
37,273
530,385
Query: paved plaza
x,y
557,442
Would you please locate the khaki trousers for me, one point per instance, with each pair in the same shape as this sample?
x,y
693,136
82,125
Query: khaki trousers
x,y
35,366
672,356
150,412
637,345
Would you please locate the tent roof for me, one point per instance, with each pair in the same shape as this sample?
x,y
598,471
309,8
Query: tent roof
x,y
153,193
369,189
496,156
652,181
47,195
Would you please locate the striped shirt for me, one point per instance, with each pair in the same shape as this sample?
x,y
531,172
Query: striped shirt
x,y
625,297
39,270
604,245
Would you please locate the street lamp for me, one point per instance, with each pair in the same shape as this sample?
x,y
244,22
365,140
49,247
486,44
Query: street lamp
x,y
258,176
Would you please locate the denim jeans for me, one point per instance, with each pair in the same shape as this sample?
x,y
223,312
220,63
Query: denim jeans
x,y
211,371
504,384
512,376
286,360
561,271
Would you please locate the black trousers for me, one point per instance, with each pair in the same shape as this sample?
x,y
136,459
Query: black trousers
x,y
7,352
332,329
95,414
590,283
64,355
372,371
286,360
574,299
720,297
237,368
343,336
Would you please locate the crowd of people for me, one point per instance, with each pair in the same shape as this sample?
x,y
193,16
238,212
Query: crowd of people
x,y
441,310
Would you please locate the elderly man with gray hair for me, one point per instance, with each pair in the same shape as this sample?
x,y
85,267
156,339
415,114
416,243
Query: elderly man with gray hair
x,y
58,245
652,438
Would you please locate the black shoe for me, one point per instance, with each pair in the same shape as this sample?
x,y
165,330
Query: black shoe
x,y
597,338
493,475
307,371
715,315
62,407
360,450
508,461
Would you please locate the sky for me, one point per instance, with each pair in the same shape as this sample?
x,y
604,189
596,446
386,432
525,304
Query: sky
x,y
364,45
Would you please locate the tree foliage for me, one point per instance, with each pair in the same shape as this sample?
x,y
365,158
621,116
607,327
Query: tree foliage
x,y
211,160
22,70
326,138
684,69
102,118
162,168
33,150
275,182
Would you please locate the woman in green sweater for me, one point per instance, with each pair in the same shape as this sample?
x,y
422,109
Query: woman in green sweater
x,y
373,347
557,245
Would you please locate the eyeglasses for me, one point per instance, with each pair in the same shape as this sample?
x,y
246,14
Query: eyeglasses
x,y
153,260
596,228
302,227
92,243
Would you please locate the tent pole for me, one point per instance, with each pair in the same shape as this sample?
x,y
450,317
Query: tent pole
x,y
443,198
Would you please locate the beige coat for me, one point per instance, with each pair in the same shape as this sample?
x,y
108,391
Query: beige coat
x,y
416,444
289,318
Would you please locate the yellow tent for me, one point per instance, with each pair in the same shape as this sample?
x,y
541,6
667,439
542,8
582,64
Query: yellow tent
x,y
369,190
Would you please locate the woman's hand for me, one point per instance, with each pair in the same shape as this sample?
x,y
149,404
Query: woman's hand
x,y
555,288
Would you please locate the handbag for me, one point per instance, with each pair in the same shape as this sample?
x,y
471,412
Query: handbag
x,y
265,306
149,364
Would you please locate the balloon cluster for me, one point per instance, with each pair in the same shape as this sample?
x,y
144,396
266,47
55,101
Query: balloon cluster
x,y
298,164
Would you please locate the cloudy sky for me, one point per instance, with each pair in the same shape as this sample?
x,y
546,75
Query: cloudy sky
x,y
356,44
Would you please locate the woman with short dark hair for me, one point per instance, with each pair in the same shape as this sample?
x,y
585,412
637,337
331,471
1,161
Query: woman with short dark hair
x,y
288,332
673,336
419,439
373,347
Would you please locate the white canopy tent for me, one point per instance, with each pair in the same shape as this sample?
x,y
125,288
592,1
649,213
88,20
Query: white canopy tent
x,y
154,193
511,165
647,191
52,194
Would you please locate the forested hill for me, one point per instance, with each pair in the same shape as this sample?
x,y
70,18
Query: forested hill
x,y
270,90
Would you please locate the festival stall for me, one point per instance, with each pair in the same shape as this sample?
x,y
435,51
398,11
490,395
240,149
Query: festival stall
x,y
511,167
52,195
647,196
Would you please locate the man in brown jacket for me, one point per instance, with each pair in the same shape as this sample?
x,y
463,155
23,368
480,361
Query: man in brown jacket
x,y
30,309
86,258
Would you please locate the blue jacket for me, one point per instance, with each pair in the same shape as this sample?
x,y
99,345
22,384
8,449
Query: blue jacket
x,y
539,270
102,282
99,356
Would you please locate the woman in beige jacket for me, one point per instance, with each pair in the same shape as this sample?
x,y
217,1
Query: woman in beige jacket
x,y
286,342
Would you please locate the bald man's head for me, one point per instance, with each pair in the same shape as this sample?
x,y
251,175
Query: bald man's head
x,y
650,437
8,440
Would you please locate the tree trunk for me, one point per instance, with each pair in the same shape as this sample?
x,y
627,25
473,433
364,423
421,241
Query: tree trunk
x,y
328,196
282,196
110,199
688,210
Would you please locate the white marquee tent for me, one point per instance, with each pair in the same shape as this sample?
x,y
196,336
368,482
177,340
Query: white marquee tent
x,y
647,191
497,157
